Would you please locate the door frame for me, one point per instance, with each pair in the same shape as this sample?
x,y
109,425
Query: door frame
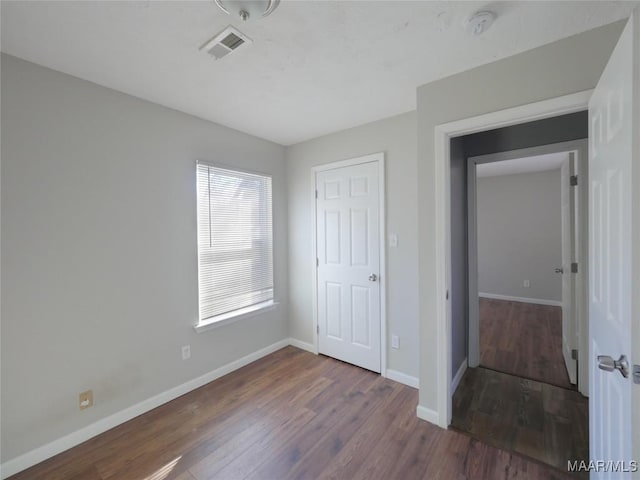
x,y
371,158
580,300
443,134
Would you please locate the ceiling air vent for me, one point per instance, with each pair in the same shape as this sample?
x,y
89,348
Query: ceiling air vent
x,y
225,42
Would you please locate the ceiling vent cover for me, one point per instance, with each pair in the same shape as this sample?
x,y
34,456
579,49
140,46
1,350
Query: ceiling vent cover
x,y
225,42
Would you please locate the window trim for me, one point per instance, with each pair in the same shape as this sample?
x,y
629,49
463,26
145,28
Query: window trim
x,y
231,317
251,310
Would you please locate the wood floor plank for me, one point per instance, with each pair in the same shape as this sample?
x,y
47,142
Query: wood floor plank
x,y
382,458
328,448
347,462
259,439
542,421
343,405
523,339
289,415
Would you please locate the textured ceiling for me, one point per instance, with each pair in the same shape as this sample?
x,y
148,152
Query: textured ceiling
x,y
315,67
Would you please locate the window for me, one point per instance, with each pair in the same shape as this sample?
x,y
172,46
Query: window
x,y
235,243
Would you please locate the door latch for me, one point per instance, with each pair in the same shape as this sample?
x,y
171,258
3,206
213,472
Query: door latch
x,y
608,364
636,374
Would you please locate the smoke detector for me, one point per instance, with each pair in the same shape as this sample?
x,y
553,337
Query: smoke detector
x,y
227,41
479,22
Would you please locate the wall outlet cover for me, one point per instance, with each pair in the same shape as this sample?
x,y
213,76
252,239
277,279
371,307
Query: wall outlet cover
x,y
186,352
85,399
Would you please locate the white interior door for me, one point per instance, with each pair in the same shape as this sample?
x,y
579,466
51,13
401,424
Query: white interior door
x,y
348,251
611,132
569,338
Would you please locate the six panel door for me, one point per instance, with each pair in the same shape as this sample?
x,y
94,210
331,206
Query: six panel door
x,y
348,250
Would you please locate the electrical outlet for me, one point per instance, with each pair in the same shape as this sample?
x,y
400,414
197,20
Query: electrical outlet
x,y
395,341
186,352
526,284
86,399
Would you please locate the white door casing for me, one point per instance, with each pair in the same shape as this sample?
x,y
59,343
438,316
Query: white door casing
x,y
348,271
575,102
611,134
568,203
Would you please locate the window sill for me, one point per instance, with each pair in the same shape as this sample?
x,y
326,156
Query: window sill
x,y
227,318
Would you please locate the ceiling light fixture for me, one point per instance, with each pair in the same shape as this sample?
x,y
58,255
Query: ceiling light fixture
x,y
248,9
479,22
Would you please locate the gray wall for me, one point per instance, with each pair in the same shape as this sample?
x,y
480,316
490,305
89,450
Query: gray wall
x,y
520,235
99,282
570,65
563,128
396,136
459,256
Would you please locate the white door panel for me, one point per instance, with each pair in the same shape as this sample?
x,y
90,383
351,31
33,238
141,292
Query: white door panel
x,y
611,132
348,248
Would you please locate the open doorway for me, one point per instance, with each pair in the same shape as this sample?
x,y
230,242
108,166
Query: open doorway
x,y
520,297
613,233
527,268
526,316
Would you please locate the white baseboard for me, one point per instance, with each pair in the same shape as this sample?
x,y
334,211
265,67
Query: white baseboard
x,y
294,342
394,375
44,452
427,414
537,301
402,378
458,376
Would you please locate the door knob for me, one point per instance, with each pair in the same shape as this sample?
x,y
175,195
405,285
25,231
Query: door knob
x,y
373,277
608,364
559,270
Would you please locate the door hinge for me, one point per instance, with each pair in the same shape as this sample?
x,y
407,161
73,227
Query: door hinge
x,y
317,328
574,267
317,262
447,295
316,193
573,180
574,354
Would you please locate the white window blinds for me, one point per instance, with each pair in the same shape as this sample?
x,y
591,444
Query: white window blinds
x,y
235,241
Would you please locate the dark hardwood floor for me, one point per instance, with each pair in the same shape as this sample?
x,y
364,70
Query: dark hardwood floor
x,y
543,421
289,415
523,339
